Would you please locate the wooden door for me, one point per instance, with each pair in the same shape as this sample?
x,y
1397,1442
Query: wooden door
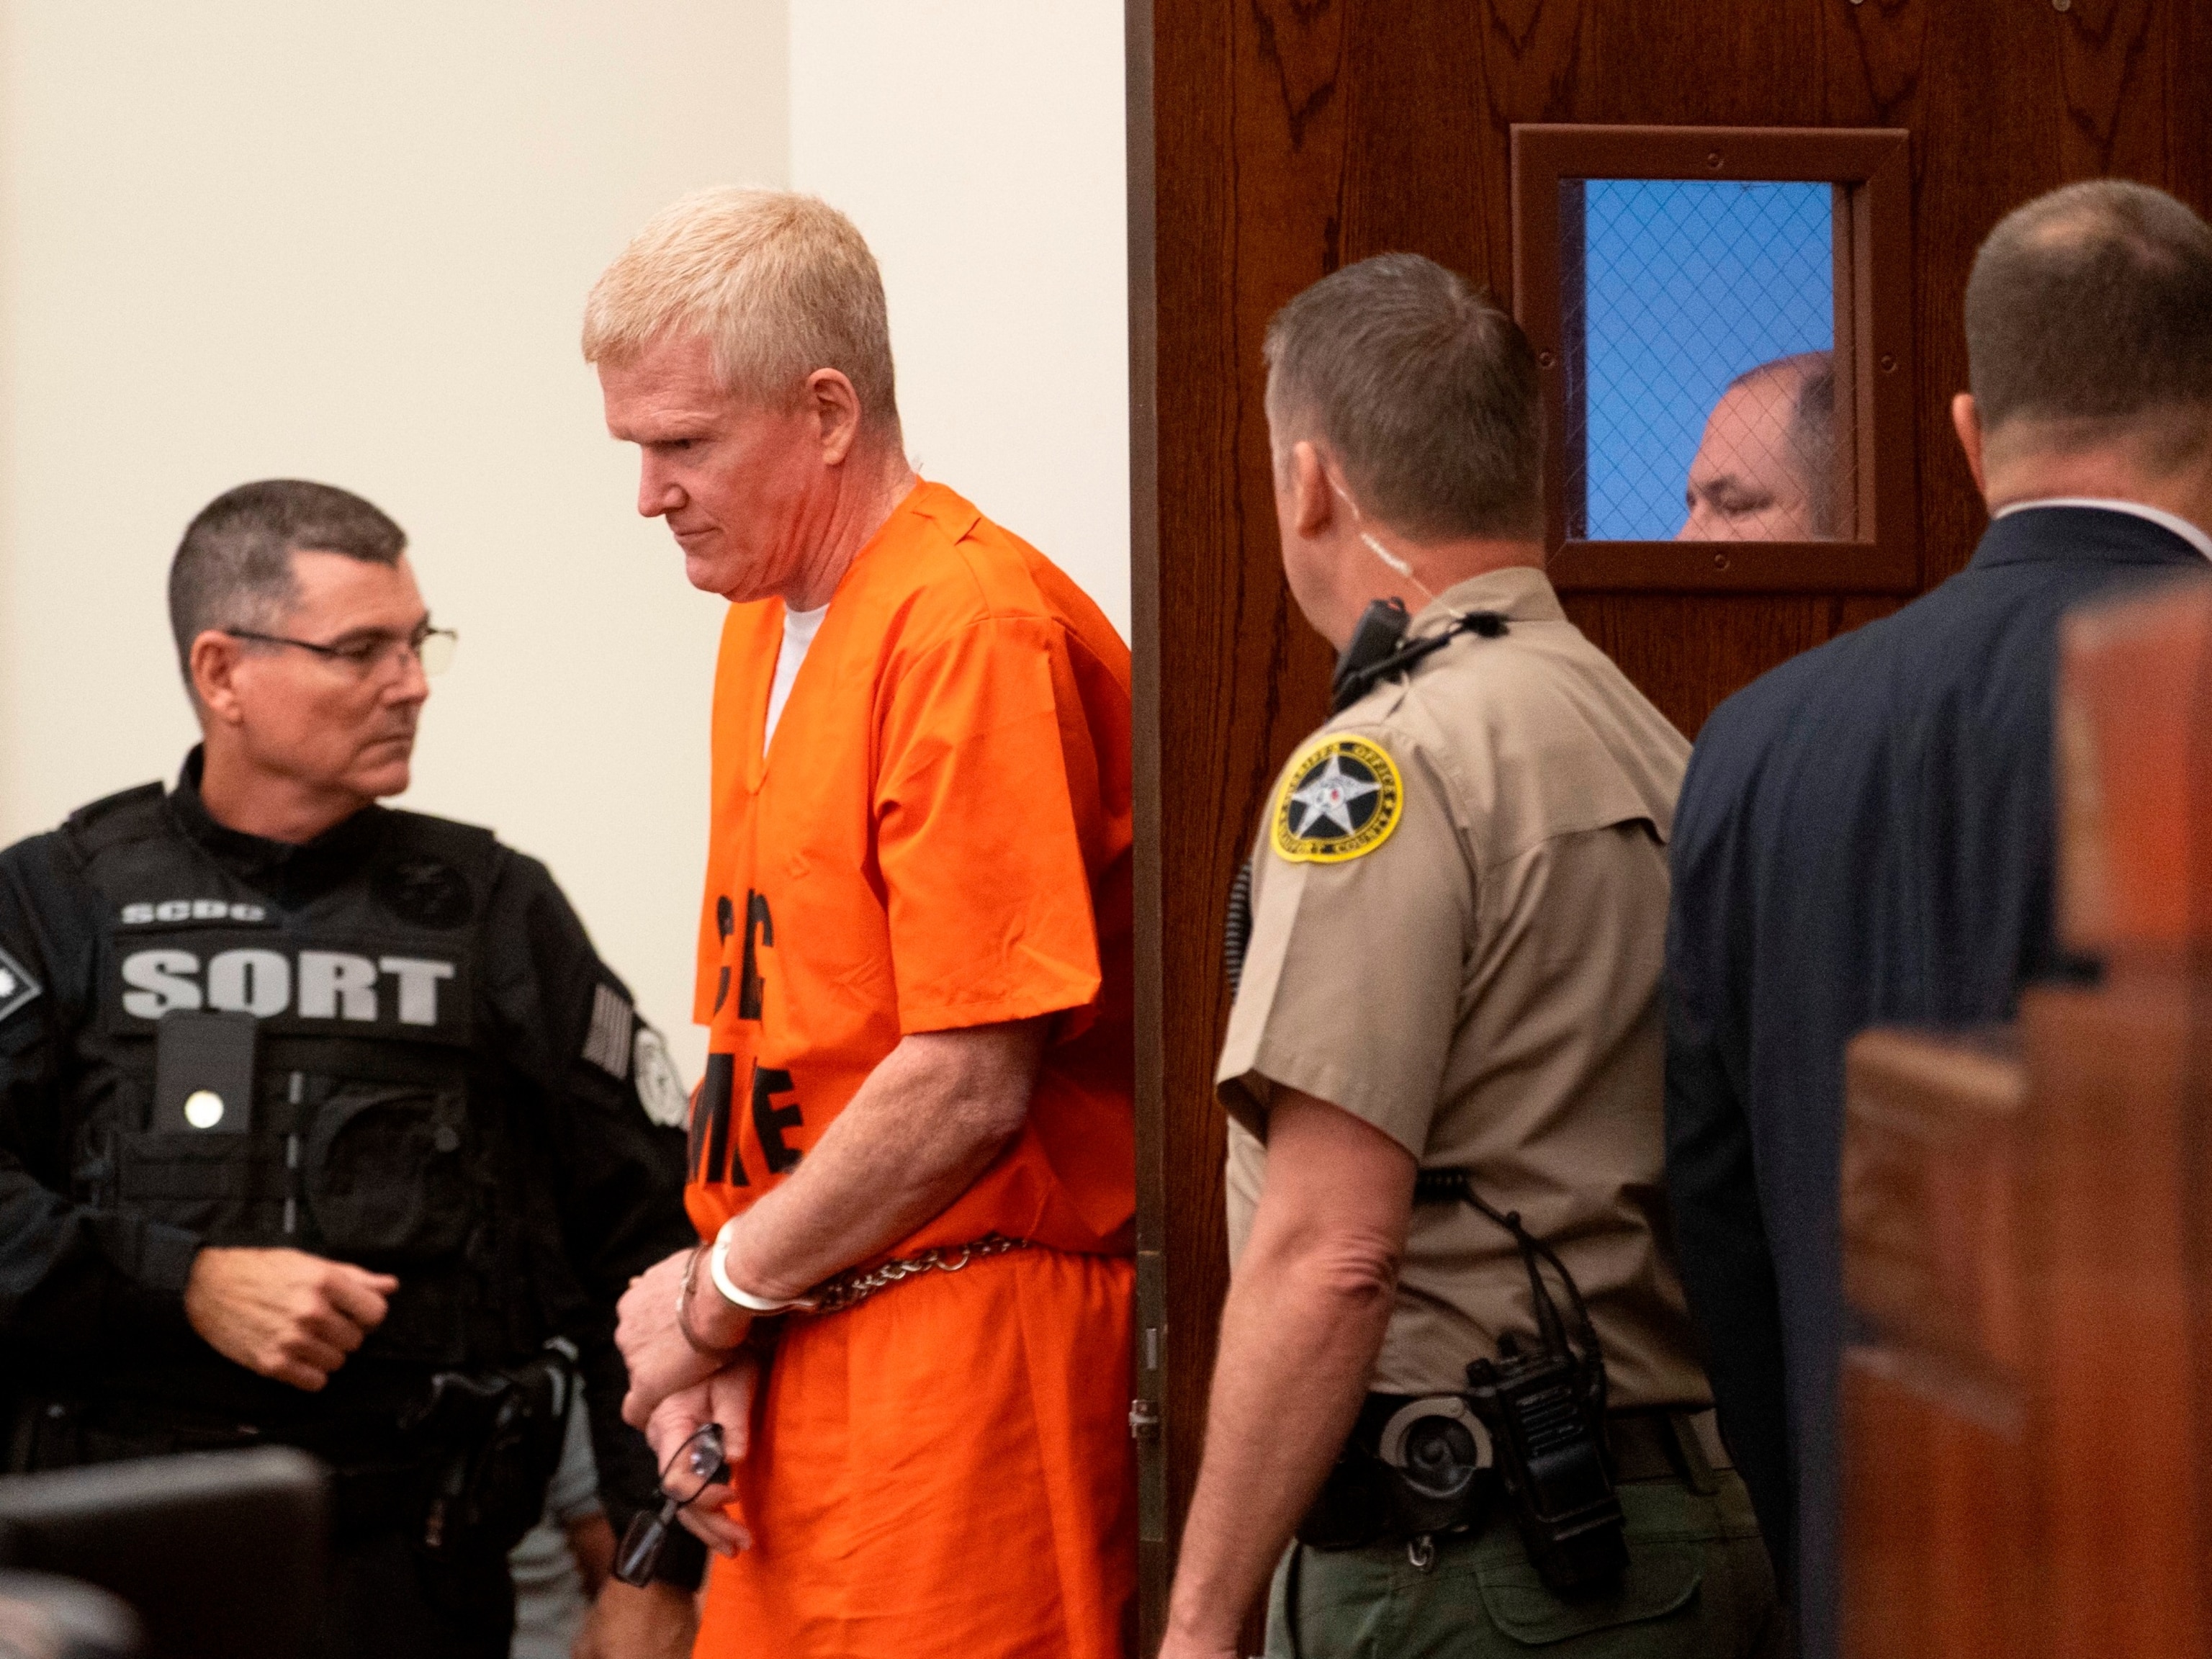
x,y
1272,141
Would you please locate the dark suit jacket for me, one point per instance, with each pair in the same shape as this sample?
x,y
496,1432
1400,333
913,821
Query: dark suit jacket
x,y
1865,837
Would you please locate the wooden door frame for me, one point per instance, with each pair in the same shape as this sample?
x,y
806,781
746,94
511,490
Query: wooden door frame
x,y
1148,1417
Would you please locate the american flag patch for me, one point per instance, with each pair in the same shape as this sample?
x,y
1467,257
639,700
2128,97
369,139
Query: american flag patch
x,y
607,1043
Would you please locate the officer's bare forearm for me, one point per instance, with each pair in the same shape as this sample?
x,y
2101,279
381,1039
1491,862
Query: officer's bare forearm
x,y
283,1312
1307,1310
929,1120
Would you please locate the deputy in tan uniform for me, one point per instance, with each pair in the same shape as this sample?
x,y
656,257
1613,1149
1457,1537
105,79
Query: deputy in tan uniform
x,y
1456,1360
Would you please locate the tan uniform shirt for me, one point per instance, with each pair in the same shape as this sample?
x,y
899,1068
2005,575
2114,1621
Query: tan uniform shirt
x,y
1459,908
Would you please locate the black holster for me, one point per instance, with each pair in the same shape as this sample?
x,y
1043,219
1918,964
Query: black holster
x,y
493,1439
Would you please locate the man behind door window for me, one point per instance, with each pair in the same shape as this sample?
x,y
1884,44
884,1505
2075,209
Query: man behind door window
x,y
1766,471
1865,836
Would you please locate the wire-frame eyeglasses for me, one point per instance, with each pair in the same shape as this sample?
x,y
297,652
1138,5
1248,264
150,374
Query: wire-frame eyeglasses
x,y
695,1465
367,654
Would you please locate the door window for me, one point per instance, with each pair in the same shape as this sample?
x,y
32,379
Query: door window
x,y
1722,321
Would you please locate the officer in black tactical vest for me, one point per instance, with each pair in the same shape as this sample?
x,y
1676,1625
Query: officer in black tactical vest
x,y
320,1123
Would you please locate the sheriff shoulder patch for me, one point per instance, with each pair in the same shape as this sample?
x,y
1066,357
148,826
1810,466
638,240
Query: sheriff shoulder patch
x,y
1341,799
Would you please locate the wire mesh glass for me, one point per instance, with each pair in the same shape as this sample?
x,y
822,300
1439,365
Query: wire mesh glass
x,y
1700,330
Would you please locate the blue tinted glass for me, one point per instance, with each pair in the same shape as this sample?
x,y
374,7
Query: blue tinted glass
x,y
1687,284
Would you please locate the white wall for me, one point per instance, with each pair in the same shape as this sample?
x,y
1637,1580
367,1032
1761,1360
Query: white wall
x,y
351,241
978,146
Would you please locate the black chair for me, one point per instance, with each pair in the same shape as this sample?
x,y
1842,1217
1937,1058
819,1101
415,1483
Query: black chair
x,y
220,1554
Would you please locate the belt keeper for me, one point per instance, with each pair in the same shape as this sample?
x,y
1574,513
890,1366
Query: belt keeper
x,y
1688,1456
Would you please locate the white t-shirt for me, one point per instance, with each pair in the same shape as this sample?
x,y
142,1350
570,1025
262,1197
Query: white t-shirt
x,y
799,628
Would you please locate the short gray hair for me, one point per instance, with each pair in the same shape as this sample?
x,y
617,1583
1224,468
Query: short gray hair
x,y
1426,391
777,283
234,568
2090,308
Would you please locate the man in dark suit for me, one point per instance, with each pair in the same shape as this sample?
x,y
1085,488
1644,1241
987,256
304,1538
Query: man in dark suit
x,y
1866,833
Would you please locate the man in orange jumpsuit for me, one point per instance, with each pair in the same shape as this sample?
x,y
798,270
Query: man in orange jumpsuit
x,y
915,962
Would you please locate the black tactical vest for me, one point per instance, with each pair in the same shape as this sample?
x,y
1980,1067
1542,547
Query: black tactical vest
x,y
377,1129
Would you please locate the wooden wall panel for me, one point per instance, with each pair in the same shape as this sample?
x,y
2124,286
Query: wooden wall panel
x,y
1686,652
1951,1578
1273,140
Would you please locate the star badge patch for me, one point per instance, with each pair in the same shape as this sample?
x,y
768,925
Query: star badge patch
x,y
1341,799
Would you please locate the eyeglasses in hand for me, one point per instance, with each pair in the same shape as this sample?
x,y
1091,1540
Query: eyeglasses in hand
x,y
696,1465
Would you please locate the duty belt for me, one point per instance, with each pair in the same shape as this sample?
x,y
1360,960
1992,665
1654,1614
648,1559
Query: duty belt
x,y
1360,1504
1651,1445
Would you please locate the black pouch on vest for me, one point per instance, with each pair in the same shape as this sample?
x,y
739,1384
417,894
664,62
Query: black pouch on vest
x,y
390,1179
230,1189
203,1073
200,1165
384,1175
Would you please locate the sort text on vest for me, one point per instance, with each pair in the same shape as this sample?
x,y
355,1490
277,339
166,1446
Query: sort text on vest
x,y
328,984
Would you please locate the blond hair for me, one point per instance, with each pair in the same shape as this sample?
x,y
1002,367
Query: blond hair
x,y
779,285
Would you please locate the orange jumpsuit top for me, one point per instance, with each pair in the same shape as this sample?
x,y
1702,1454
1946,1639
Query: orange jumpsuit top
x,y
939,836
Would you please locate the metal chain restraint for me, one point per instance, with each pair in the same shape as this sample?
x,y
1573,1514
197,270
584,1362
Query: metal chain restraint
x,y
856,1284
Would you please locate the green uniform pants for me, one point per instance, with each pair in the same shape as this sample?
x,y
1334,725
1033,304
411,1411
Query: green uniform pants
x,y
1698,1586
